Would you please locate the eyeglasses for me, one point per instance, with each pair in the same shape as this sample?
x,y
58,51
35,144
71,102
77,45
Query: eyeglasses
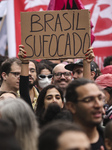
x,y
16,74
59,74
42,76
92,99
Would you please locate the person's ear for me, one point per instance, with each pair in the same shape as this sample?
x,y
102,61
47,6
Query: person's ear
x,y
92,75
71,107
4,75
108,144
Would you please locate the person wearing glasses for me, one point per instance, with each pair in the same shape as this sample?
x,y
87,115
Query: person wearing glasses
x,y
85,101
54,95
44,76
61,77
49,95
10,75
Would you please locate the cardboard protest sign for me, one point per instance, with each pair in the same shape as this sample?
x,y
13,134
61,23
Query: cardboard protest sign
x,y
56,34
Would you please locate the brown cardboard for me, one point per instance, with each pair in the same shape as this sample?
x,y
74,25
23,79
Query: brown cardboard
x,y
55,34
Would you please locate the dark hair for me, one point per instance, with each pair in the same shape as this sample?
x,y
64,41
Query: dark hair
x,y
40,101
48,139
2,59
109,90
54,112
107,61
42,66
71,94
108,130
7,136
95,68
48,62
6,65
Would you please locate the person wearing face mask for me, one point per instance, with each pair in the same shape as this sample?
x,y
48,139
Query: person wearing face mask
x,y
44,77
47,96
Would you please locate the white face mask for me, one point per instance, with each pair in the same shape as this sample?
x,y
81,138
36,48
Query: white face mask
x,y
44,82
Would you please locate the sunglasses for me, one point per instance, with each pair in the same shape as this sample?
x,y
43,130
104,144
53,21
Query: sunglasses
x,y
42,76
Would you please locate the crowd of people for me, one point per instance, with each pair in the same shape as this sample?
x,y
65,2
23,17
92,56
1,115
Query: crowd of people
x,y
55,104
62,104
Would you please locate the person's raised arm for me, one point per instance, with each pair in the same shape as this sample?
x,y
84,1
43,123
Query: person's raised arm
x,y
24,77
25,63
89,56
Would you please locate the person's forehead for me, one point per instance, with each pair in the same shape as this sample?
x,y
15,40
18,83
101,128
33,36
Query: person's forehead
x,y
60,68
45,71
73,139
89,88
15,66
78,67
31,65
52,91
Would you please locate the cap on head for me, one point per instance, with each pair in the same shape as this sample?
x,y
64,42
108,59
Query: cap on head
x,y
94,66
107,69
104,80
72,66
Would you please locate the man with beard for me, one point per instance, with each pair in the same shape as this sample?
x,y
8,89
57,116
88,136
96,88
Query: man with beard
x,y
61,77
30,93
32,81
85,101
